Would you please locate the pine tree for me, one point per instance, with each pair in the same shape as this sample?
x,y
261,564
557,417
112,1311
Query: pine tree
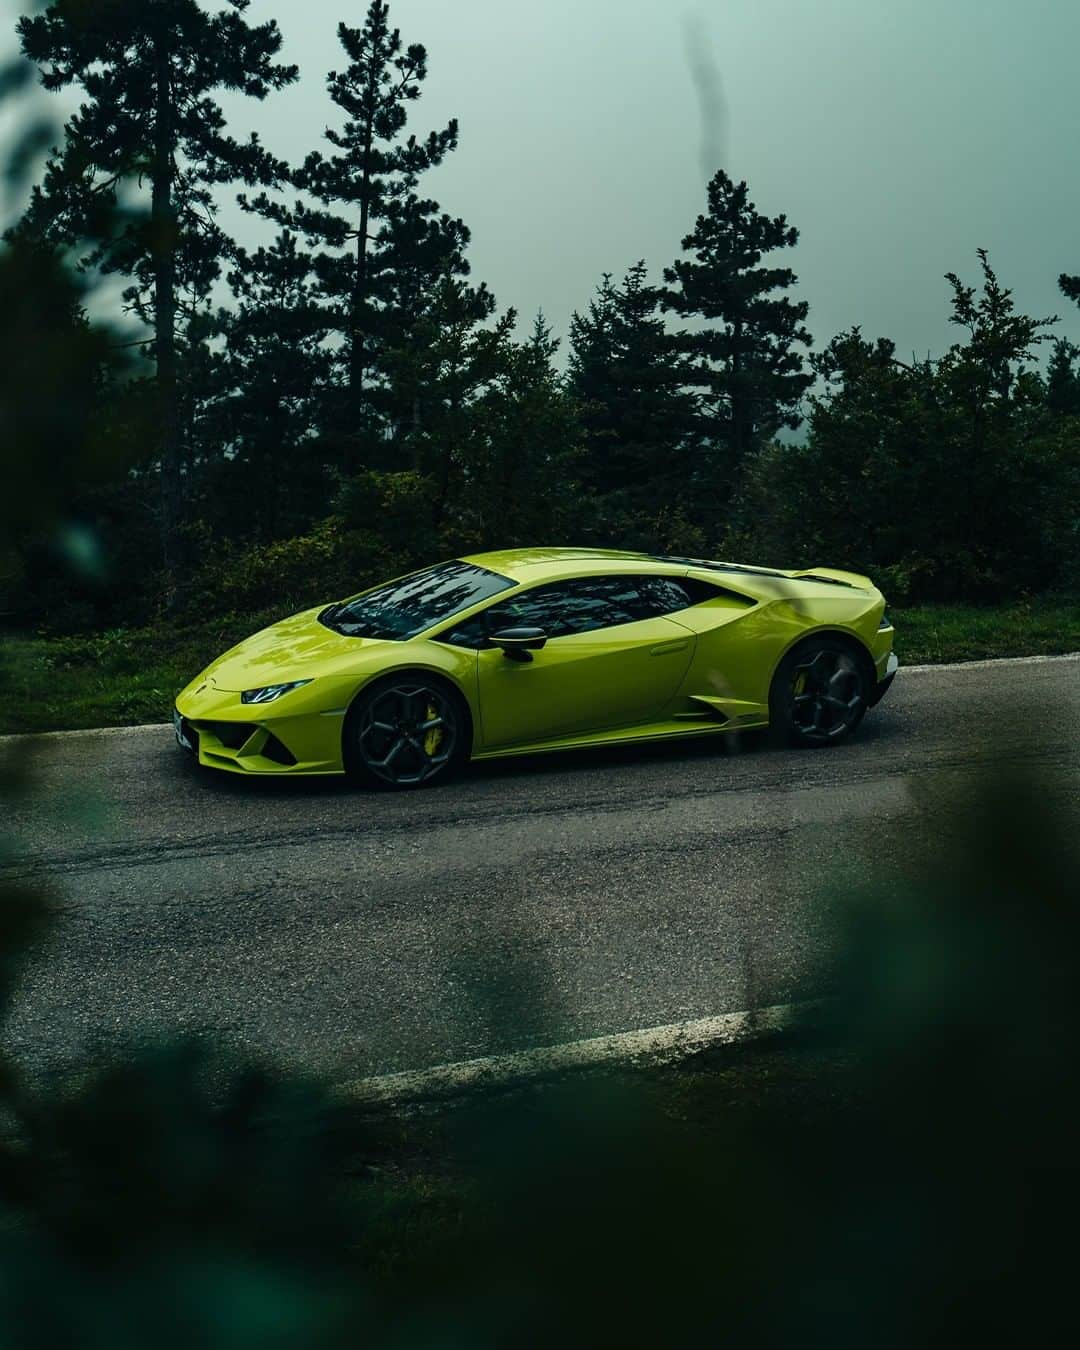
x,y
440,374
380,246
627,373
985,373
264,414
148,70
592,378
948,473
1063,379
745,357
493,440
592,346
522,482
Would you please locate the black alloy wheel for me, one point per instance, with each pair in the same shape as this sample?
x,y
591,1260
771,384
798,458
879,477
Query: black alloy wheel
x,y
405,733
820,694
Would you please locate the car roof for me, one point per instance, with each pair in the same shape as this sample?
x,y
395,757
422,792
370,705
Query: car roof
x,y
524,565
532,564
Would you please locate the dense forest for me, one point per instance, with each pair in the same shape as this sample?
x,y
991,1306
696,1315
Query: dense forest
x,y
250,426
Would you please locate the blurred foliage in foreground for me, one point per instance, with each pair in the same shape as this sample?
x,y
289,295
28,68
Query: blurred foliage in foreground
x,y
186,1198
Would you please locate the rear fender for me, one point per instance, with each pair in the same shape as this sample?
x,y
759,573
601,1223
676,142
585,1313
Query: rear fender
x,y
853,639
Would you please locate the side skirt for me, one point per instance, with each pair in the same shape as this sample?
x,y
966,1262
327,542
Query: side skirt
x,y
666,731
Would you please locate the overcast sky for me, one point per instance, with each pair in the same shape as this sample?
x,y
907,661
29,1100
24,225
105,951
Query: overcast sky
x,y
897,135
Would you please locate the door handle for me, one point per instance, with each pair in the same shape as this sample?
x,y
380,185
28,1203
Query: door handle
x,y
668,648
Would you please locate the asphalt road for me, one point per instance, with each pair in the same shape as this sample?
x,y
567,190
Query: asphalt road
x,y
530,902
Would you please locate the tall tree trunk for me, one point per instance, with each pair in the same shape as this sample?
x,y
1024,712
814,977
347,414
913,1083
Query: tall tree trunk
x,y
164,246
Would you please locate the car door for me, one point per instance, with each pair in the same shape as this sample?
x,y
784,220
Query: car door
x,y
612,660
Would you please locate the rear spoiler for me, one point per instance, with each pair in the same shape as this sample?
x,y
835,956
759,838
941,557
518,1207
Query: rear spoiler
x,y
829,576
832,576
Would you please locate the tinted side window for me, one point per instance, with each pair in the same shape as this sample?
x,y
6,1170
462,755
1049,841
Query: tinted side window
x,y
668,595
579,606
663,595
472,633
584,605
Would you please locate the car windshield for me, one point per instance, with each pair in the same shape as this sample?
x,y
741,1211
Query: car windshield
x,y
402,609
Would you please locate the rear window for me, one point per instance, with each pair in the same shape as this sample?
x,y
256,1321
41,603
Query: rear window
x,y
403,609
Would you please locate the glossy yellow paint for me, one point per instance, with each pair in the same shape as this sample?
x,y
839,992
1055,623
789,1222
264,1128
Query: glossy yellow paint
x,y
703,671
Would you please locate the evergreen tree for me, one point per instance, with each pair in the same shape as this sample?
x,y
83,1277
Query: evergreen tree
x,y
591,362
1063,379
1070,286
986,373
522,480
380,246
745,358
441,374
148,70
626,371
493,440
263,417
946,478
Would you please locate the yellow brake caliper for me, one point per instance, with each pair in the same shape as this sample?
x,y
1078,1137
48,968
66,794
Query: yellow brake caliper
x,y
799,687
434,737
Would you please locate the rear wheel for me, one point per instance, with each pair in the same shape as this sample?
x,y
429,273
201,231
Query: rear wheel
x,y
820,693
405,732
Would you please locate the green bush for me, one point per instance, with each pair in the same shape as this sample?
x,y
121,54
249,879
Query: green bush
x,y
904,496
325,564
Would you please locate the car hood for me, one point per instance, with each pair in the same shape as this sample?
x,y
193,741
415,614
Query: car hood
x,y
298,648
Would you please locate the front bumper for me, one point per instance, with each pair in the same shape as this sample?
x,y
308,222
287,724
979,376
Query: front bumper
x,y
298,736
891,667
238,747
187,738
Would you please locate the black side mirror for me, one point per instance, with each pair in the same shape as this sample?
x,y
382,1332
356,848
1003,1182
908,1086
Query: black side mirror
x,y
518,644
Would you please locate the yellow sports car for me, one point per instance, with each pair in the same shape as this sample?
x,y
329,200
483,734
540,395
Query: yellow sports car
x,y
539,649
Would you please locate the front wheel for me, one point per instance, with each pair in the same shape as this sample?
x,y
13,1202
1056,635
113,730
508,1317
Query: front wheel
x,y
820,693
405,733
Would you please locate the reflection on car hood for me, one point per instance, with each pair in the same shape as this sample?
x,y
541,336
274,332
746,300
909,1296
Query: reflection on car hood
x,y
294,649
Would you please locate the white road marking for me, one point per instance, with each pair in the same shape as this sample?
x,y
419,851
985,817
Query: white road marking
x,y
996,661
653,1046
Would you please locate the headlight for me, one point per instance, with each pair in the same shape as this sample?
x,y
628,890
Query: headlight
x,y
886,622
269,692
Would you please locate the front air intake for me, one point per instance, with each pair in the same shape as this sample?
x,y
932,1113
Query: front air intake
x,y
233,735
279,753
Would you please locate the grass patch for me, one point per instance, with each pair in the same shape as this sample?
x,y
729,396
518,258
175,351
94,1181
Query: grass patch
x,y
120,678
936,634
129,676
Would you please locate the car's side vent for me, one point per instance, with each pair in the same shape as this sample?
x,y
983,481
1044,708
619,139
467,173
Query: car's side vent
x,y
735,597
280,754
703,709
